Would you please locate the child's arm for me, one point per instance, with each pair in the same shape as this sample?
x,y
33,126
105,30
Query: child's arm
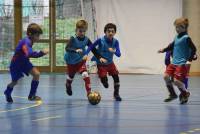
x,y
117,51
28,51
94,50
170,47
92,46
69,46
167,58
193,50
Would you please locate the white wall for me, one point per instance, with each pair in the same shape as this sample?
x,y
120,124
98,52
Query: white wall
x,y
144,26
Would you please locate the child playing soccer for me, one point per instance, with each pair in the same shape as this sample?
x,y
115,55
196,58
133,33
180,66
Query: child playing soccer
x,y
183,50
107,47
76,56
20,63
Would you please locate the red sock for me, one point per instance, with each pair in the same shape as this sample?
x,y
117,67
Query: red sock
x,y
87,84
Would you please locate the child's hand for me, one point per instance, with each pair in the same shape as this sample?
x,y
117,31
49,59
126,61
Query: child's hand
x,y
85,57
102,60
111,50
194,57
161,51
45,51
79,50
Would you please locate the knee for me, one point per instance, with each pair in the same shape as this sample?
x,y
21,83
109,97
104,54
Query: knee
x,y
176,82
166,77
85,74
36,75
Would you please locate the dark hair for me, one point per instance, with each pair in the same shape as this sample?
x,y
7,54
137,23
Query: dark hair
x,y
33,28
110,25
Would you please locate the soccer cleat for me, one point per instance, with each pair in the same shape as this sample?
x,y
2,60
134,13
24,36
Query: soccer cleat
x,y
170,98
69,89
184,98
34,98
8,97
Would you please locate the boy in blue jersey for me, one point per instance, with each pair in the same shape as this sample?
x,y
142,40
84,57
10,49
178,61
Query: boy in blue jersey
x,y
183,50
76,56
107,47
20,63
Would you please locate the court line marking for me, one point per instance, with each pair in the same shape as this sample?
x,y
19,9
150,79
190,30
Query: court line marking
x,y
112,126
47,118
191,131
38,103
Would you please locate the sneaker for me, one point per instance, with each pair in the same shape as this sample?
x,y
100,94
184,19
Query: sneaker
x,y
117,97
116,93
34,98
184,98
170,98
8,97
69,89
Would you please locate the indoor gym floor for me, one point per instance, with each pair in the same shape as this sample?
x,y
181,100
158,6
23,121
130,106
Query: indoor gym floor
x,y
142,110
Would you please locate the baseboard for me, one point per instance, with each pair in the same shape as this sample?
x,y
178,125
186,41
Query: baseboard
x,y
194,73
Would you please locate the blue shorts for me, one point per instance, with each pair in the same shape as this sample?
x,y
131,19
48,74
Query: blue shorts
x,y
18,69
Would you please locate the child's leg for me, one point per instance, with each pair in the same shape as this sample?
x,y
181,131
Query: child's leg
x,y
102,72
187,75
16,74
169,73
112,70
69,81
183,97
181,86
116,87
104,81
82,69
86,78
9,90
34,84
180,75
169,85
72,69
186,83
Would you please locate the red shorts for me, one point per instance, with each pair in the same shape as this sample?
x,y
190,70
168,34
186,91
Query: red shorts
x,y
178,72
104,69
74,68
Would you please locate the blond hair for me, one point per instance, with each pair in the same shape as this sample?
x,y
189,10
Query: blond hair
x,y
181,21
82,24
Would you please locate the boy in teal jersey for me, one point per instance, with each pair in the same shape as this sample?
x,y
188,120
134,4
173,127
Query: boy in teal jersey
x,y
108,46
76,56
183,50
